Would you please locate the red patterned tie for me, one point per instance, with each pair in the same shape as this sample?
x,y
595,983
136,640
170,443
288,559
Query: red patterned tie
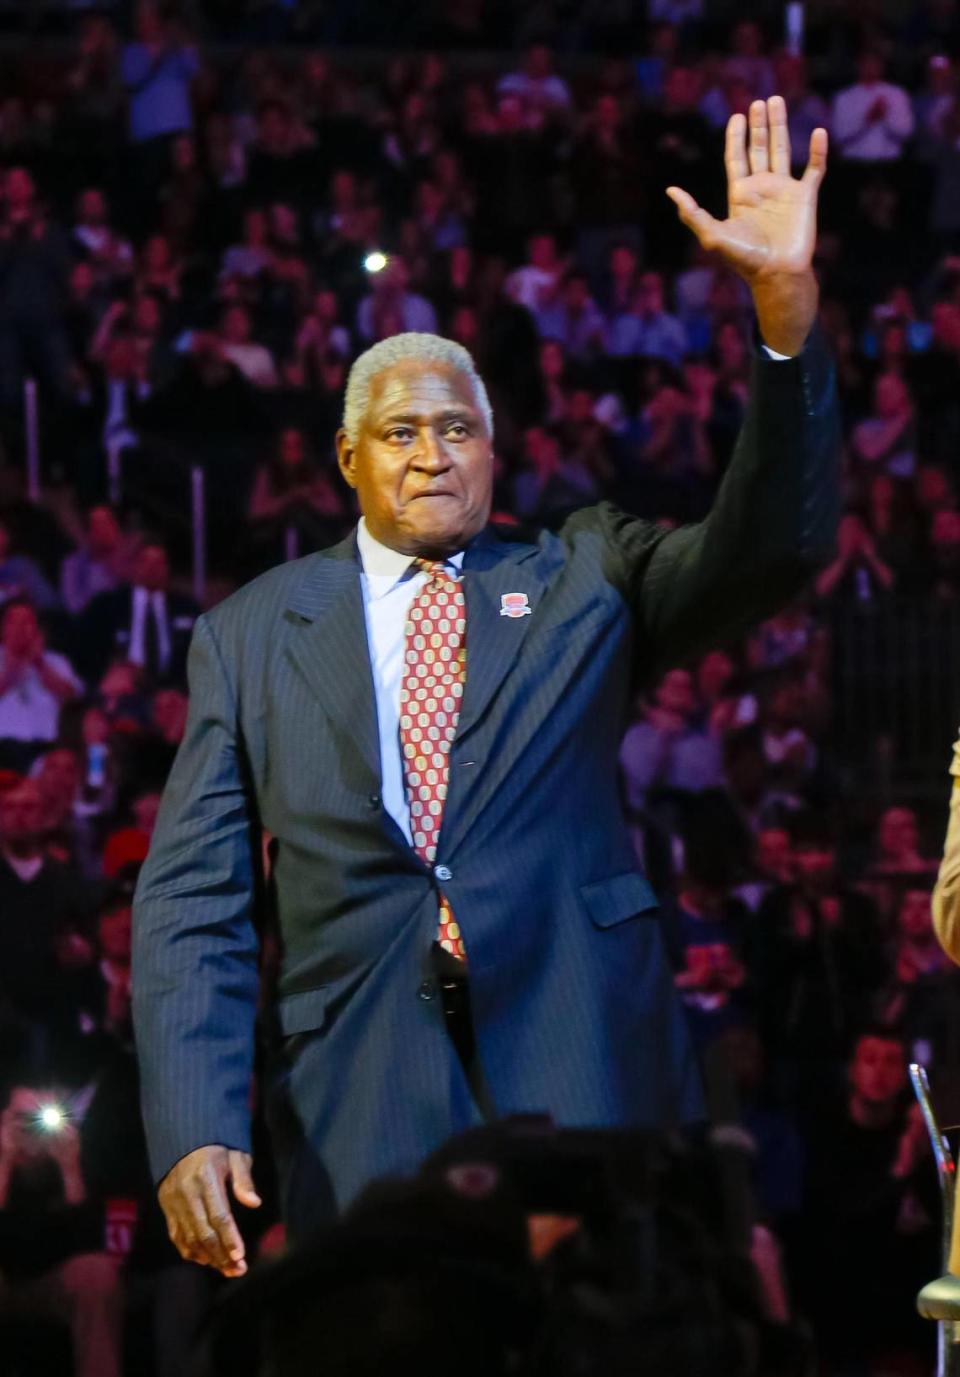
x,y
430,697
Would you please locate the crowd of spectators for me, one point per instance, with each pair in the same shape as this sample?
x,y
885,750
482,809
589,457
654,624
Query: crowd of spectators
x,y
195,241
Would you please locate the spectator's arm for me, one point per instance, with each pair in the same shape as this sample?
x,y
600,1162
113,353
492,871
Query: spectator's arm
x,y
264,505
56,678
899,120
831,576
874,442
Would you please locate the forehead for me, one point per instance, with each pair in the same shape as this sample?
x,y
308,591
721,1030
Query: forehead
x,y
878,1047
425,386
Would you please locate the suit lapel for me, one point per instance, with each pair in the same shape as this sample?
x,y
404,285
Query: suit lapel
x,y
493,568
331,651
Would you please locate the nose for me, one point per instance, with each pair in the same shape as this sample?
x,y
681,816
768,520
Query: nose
x,y
430,454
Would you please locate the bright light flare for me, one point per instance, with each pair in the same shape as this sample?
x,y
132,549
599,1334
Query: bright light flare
x,y
375,262
51,1117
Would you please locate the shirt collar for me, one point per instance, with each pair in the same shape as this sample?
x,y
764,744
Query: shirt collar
x,y
383,567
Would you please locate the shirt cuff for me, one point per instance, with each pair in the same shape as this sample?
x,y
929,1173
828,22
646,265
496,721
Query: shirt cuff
x,y
772,354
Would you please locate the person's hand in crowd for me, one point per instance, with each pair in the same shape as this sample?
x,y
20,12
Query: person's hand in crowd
x,y
769,234
73,951
913,1146
118,1003
906,968
697,968
667,722
194,1198
730,970
12,1131
62,1146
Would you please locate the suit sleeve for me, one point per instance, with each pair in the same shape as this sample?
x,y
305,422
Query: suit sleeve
x,y
772,525
946,893
194,947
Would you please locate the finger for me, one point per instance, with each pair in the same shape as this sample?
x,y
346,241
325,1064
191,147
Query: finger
x,y
200,1236
230,1246
817,160
779,135
759,152
735,150
694,217
185,1248
241,1179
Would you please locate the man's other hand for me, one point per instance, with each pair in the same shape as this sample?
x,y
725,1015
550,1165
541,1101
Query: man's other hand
x,y
770,231
194,1198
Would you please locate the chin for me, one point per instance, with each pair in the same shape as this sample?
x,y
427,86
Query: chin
x,y
432,533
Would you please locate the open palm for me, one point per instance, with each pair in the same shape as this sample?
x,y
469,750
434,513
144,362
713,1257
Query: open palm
x,y
772,216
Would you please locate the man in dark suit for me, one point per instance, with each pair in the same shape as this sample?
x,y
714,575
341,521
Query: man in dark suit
x,y
426,719
144,621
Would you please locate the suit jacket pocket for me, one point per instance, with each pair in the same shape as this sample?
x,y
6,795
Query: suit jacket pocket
x,y
303,1012
618,898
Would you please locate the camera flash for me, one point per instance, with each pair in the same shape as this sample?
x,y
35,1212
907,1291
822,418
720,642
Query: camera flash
x,y
51,1117
375,262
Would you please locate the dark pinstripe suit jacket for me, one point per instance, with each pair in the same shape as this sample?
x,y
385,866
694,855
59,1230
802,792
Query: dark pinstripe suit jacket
x,y
573,1001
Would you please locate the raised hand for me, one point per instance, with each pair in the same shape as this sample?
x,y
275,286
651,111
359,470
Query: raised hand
x,y
770,231
771,222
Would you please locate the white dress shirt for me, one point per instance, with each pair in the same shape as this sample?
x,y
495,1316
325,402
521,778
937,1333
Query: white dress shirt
x,y
390,584
871,141
156,602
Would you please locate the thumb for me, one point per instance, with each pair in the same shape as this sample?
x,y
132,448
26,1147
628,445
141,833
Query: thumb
x,y
241,1179
694,217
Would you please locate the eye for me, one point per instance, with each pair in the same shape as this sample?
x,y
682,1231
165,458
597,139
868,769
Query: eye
x,y
457,429
399,433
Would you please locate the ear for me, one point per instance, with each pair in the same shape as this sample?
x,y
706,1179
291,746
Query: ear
x,y
346,458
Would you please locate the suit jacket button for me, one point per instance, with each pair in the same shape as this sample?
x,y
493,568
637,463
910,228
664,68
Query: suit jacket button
x,y
443,872
428,990
374,801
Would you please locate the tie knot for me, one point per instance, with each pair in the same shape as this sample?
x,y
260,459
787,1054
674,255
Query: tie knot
x,y
435,569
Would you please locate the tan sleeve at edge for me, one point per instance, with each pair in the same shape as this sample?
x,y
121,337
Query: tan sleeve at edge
x,y
946,894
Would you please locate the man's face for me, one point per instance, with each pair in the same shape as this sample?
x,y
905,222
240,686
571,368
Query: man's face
x,y
774,855
913,919
102,530
870,68
650,292
539,61
236,326
19,186
152,570
114,932
59,777
878,1072
898,831
93,209
623,261
422,466
21,814
543,252
676,692
19,630
145,810
815,864
713,674
891,397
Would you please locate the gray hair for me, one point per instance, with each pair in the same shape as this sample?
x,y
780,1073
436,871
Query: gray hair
x,y
420,347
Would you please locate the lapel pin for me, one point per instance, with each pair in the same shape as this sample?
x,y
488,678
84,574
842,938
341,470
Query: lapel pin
x,y
515,605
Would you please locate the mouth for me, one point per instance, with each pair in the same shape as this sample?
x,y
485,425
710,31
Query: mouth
x,y
440,492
